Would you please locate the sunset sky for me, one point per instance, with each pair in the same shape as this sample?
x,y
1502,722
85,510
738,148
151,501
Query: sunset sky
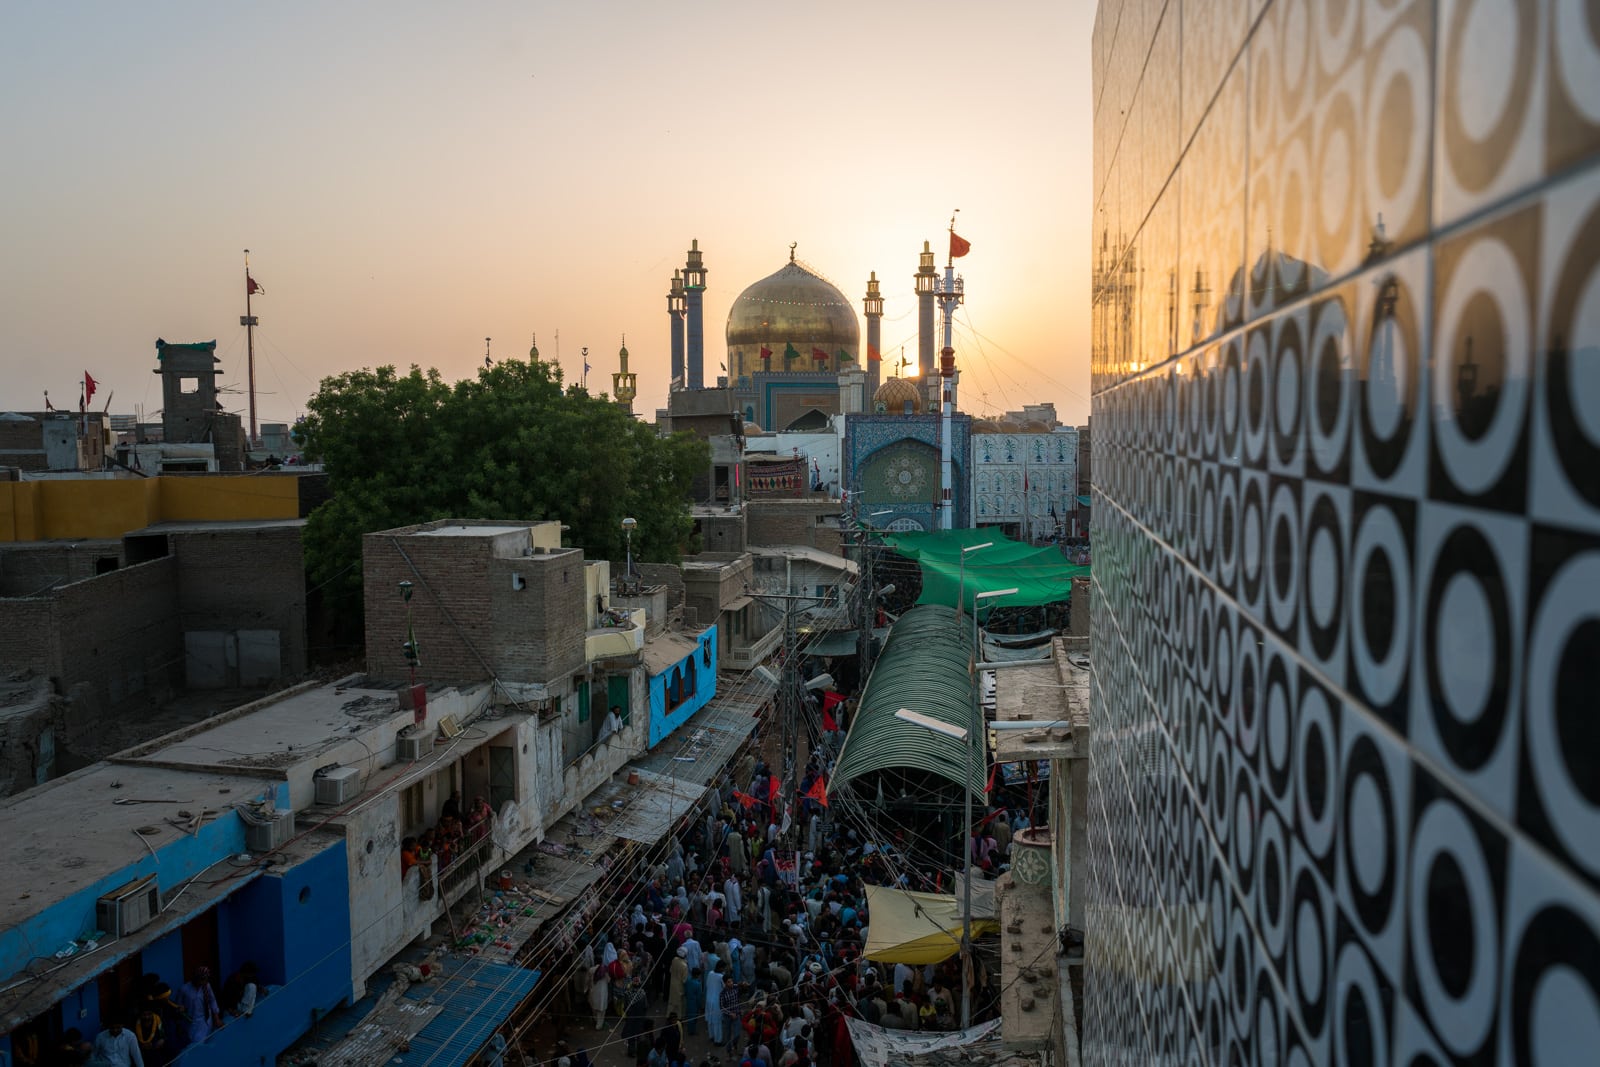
x,y
411,178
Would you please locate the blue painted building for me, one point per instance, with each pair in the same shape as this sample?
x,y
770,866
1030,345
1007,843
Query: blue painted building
x,y
118,881
683,679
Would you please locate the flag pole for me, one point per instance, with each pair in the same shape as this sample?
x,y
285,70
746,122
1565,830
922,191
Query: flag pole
x,y
949,296
249,324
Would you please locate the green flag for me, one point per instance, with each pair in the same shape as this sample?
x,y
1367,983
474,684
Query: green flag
x,y
845,357
790,352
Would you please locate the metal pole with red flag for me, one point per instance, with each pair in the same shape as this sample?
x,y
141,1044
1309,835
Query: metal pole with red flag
x,y
248,321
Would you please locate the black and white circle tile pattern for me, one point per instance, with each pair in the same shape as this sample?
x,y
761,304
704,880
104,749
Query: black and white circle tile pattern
x,y
1344,787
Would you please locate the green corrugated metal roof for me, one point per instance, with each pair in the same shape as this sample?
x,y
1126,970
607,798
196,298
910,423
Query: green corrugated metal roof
x,y
954,567
924,668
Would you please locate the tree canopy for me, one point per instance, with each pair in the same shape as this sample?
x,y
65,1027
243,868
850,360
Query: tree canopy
x,y
508,444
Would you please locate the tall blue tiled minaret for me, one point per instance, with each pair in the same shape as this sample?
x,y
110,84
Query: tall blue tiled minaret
x,y
675,312
873,357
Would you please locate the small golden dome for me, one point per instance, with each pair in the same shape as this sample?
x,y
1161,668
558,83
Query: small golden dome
x,y
892,396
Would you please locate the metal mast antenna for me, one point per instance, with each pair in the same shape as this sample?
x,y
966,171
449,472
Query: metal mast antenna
x,y
248,321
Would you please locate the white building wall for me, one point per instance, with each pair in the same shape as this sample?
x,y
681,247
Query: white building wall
x,y
1018,477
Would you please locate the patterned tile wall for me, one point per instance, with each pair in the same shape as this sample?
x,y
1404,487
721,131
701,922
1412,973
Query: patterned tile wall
x,y
1345,786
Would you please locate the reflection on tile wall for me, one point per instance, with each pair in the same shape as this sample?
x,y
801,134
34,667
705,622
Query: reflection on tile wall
x,y
1345,788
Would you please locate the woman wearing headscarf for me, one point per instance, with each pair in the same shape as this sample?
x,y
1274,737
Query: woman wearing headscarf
x,y
677,976
600,988
583,974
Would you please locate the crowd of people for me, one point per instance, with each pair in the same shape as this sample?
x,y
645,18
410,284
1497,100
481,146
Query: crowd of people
x,y
164,1023
449,839
753,926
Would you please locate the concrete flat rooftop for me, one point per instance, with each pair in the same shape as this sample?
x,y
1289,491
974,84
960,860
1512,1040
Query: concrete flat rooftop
x,y
1047,690
472,531
278,735
207,889
218,526
66,835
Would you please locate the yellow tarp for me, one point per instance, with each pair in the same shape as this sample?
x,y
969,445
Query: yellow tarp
x,y
909,927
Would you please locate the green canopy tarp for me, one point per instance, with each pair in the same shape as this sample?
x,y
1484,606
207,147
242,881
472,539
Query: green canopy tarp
x,y
1040,575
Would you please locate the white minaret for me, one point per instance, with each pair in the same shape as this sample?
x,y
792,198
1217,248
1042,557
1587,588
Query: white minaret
x,y
949,296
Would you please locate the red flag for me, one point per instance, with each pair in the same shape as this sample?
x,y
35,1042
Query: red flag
x,y
873,355
88,387
745,799
819,355
959,246
829,723
819,791
766,353
990,787
251,286
772,789
830,698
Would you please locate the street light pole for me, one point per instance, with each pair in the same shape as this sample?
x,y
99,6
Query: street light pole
x,y
961,587
628,526
977,650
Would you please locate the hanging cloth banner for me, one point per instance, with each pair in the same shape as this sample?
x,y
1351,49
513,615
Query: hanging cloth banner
x,y
878,1047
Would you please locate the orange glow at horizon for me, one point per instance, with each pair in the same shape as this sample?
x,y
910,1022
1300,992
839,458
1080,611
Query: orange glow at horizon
x,y
411,179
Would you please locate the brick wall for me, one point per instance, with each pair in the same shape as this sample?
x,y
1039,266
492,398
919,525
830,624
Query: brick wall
x,y
708,590
793,522
119,646
22,444
27,636
721,532
211,595
539,629
450,582
28,567
466,616
656,574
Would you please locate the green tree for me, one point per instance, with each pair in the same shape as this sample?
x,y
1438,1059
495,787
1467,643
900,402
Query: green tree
x,y
510,443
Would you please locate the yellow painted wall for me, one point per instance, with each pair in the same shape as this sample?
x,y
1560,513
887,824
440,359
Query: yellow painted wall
x,y
91,508
545,534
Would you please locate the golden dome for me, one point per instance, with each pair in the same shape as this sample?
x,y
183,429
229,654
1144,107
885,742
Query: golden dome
x,y
891,397
793,306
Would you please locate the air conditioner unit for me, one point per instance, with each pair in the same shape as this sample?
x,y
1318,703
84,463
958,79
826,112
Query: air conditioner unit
x,y
272,834
411,749
128,908
338,786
